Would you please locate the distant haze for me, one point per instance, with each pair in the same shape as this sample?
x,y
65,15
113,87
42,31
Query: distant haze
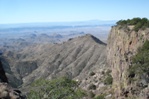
x,y
52,24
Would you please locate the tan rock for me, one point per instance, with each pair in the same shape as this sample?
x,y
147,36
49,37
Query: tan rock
x,y
121,46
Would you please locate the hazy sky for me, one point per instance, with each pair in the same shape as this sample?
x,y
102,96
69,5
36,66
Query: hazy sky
x,y
24,11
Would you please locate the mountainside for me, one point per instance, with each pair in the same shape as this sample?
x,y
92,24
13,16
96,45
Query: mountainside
x,y
123,44
76,58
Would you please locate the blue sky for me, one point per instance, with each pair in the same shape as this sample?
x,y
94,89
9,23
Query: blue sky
x,y
24,11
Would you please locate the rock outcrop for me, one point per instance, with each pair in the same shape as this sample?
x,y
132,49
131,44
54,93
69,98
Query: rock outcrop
x,y
6,91
13,80
123,43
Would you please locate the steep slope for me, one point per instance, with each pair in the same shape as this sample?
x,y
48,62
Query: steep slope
x,y
12,79
6,91
76,58
123,43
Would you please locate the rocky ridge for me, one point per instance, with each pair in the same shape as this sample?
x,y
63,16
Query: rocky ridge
x,y
75,58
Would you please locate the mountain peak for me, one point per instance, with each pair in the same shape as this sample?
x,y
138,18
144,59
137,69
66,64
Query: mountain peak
x,y
92,38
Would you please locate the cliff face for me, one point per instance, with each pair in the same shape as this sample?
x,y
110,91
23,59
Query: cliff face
x,y
122,45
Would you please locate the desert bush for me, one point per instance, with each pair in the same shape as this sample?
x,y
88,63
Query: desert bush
x,y
140,62
92,73
92,87
108,80
102,96
60,88
91,94
139,23
108,72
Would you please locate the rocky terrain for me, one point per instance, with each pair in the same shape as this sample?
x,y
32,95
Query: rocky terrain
x,y
82,58
123,44
74,58
6,91
86,60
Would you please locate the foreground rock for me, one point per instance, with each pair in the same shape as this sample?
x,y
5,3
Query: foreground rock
x,y
7,92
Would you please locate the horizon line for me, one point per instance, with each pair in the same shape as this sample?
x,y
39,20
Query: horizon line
x,y
55,22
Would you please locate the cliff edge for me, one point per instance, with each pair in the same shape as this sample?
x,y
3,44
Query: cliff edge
x,y
123,43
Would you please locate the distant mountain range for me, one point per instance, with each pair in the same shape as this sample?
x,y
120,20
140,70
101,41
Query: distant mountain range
x,y
60,24
75,58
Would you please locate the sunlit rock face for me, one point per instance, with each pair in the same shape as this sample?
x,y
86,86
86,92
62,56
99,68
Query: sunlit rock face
x,y
121,46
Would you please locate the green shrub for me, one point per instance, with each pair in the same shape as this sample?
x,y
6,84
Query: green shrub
x,y
138,26
91,94
108,80
92,87
140,62
92,73
102,96
103,72
60,88
139,23
108,72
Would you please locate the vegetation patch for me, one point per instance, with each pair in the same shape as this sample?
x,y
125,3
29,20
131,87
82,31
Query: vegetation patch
x,y
140,63
92,87
102,96
92,73
138,23
108,78
91,94
60,88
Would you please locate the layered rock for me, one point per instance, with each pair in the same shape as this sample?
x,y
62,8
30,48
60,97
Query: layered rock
x,y
123,43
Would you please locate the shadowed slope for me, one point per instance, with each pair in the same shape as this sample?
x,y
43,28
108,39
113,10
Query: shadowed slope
x,y
3,77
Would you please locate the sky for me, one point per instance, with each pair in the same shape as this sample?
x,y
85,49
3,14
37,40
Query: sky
x,y
28,11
